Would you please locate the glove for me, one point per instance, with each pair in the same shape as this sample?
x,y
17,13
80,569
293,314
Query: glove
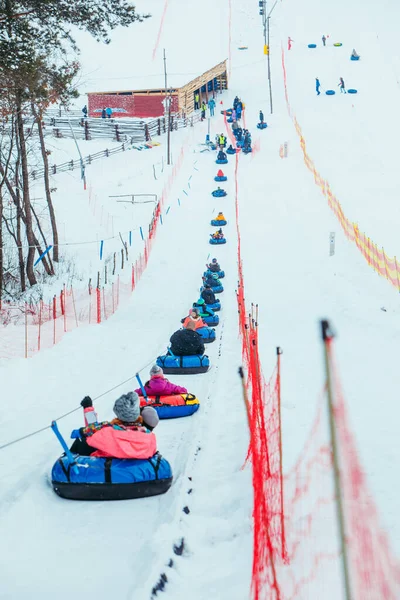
x,y
86,402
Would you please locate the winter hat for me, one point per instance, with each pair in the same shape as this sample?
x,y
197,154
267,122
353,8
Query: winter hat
x,y
150,417
156,370
200,301
127,407
214,260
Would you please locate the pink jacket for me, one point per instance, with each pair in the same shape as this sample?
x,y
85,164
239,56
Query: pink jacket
x,y
159,386
118,443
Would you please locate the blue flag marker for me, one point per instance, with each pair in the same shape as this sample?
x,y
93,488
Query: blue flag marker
x,y
101,249
130,238
141,233
195,168
43,255
185,192
168,210
189,185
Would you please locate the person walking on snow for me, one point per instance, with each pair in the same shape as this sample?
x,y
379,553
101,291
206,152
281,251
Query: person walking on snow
x,y
289,43
342,86
211,106
261,116
317,86
324,40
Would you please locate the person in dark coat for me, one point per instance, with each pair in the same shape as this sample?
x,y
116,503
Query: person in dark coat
x,y
324,40
85,111
186,342
221,155
208,295
235,102
214,266
103,113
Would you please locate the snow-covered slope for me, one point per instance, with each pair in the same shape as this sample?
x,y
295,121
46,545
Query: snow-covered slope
x,y
121,549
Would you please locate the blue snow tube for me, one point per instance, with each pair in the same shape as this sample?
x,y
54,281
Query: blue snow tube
x,y
233,151
224,178
217,223
312,45
354,57
222,162
352,91
229,120
227,112
111,478
207,334
221,274
262,126
330,92
211,321
218,289
240,143
216,306
184,365
247,150
215,241
218,193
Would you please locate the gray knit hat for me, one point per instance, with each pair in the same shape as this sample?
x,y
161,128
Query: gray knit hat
x,y
127,407
150,416
156,370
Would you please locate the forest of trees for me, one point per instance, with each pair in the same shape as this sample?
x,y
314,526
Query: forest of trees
x,y
36,70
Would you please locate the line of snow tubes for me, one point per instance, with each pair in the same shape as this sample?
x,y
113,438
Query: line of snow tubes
x,y
111,478
183,365
216,241
222,162
218,222
219,193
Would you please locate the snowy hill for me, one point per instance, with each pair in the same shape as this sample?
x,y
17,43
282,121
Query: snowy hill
x,y
121,549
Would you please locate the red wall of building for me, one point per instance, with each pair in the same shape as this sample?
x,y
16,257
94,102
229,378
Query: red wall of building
x,y
129,106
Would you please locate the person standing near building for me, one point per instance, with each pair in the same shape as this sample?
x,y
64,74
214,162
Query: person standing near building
x,y
203,110
211,106
103,113
109,112
85,111
342,86
196,101
317,86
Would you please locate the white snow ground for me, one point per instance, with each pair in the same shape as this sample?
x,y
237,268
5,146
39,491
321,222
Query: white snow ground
x,y
53,547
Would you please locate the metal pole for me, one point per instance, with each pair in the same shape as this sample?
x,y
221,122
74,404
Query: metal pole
x,y
327,336
167,109
83,176
269,60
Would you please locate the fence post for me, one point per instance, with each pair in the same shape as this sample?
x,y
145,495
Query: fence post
x,y
146,132
278,385
98,298
115,260
26,330
122,258
117,137
112,294
54,318
73,302
65,308
87,132
104,304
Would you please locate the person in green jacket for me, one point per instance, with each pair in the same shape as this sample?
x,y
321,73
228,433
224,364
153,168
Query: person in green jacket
x,y
196,101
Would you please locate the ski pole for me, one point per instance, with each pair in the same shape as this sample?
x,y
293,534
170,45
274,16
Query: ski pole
x,y
64,446
142,387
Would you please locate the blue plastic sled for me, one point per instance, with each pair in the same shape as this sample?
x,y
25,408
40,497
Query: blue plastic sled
x,y
216,306
354,57
215,241
219,193
111,478
247,150
312,45
211,321
233,151
222,162
216,223
221,274
262,126
330,92
184,365
351,91
207,334
224,178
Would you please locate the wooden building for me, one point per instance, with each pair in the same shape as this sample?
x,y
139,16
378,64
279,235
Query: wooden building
x,y
149,102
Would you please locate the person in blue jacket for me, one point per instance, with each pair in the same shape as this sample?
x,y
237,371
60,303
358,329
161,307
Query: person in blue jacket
x,y
317,86
211,106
